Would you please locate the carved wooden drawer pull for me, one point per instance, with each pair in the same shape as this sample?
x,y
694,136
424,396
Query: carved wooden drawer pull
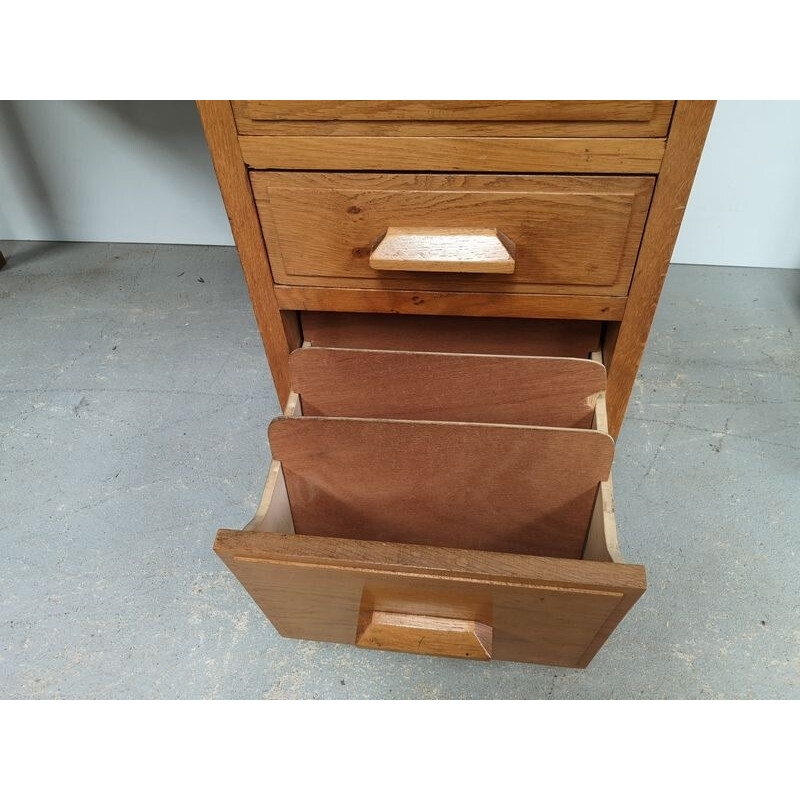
x,y
434,636
482,250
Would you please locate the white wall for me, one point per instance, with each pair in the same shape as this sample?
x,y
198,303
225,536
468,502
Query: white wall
x,y
140,172
744,209
113,171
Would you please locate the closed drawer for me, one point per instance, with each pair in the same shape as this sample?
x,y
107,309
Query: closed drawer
x,y
434,600
568,235
455,118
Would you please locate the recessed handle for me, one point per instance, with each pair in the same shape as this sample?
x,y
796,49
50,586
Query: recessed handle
x,y
481,250
432,636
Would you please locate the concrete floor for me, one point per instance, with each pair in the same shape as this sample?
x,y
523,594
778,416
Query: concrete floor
x,y
135,397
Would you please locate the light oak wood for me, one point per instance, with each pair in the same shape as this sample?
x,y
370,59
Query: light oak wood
x,y
461,250
279,330
274,512
416,633
541,610
687,136
465,304
506,488
453,154
538,118
571,235
485,335
453,110
447,387
656,125
601,541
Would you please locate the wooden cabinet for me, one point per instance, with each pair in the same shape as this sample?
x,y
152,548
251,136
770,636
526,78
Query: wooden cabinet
x,y
454,298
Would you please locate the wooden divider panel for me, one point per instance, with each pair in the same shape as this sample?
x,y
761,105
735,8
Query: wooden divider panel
x,y
507,488
447,387
440,334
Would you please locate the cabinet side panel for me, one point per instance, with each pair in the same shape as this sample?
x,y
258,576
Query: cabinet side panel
x,y
684,147
280,331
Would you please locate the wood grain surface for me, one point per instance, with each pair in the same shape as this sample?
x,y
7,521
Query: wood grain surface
x,y
486,335
537,118
466,304
448,387
687,136
474,250
541,610
505,488
454,153
454,110
418,633
570,235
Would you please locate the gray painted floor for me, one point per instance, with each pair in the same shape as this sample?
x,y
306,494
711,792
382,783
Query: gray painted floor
x,y
135,399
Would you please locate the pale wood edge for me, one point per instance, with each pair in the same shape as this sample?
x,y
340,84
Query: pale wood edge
x,y
280,330
498,259
274,510
685,142
602,543
465,304
448,354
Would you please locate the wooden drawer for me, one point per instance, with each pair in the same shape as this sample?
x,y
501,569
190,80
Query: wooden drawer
x,y
609,136
572,117
458,602
436,600
568,235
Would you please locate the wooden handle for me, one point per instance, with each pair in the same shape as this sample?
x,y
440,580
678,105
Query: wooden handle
x,y
432,636
482,250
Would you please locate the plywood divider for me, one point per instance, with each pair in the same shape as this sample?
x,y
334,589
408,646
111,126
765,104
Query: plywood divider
x,y
449,334
506,488
446,387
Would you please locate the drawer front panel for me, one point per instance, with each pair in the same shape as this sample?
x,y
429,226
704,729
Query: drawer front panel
x,y
454,117
538,609
570,235
453,110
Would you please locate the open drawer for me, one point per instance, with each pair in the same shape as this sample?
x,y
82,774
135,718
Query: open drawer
x,y
434,600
